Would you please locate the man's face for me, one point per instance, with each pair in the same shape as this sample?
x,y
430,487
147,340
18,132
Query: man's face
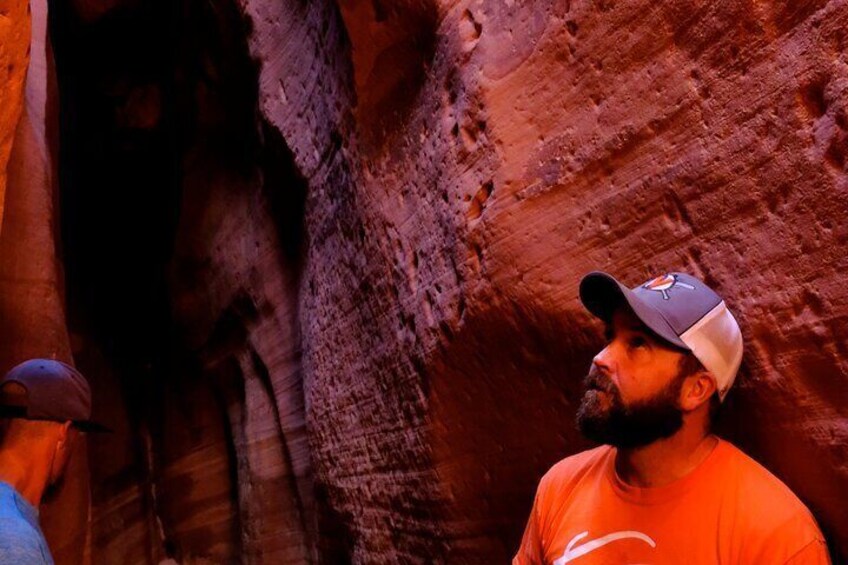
x,y
633,387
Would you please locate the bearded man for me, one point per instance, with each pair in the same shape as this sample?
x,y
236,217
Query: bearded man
x,y
662,488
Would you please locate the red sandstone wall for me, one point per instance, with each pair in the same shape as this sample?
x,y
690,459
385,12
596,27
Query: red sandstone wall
x,y
532,143
14,58
374,271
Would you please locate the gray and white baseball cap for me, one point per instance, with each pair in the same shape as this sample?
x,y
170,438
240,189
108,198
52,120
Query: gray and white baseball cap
x,y
681,310
45,389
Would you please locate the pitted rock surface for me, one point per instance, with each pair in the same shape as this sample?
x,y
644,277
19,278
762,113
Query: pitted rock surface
x,y
355,333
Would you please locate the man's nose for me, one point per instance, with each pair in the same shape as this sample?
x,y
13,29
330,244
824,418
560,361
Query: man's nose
x,y
603,360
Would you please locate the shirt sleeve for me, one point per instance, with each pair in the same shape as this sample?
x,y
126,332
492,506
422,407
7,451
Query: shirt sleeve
x,y
796,541
814,553
19,545
530,551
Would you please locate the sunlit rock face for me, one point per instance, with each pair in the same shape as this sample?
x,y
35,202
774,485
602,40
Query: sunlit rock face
x,y
322,258
14,59
449,225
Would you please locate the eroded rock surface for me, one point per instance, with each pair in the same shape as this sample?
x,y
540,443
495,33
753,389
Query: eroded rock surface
x,y
440,322
14,59
353,232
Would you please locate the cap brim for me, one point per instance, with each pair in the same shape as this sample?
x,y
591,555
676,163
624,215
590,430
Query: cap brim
x,y
92,427
9,411
602,294
20,412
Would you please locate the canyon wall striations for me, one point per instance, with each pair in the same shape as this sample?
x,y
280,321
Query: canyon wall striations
x,y
320,260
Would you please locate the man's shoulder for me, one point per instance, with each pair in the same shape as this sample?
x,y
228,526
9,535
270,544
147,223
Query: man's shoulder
x,y
775,520
754,480
574,467
767,500
19,541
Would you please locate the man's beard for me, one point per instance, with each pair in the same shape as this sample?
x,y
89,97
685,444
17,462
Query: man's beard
x,y
636,425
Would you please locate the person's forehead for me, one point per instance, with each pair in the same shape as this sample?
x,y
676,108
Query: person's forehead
x,y
624,317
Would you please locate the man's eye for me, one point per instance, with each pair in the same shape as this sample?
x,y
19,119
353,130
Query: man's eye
x,y
608,336
638,342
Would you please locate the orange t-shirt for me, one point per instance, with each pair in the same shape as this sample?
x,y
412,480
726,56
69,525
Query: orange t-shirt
x,y
730,509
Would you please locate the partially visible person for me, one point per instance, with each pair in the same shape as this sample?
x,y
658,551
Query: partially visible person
x,y
662,489
44,405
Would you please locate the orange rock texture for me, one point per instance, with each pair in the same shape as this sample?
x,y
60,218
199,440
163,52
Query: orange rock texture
x,y
322,257
14,57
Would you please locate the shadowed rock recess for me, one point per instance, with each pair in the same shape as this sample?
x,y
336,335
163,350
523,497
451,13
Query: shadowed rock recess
x,y
320,259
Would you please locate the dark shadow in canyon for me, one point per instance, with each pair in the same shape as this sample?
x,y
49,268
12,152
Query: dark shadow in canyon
x,y
160,135
504,390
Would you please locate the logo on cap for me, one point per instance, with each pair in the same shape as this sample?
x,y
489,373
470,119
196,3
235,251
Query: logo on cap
x,y
663,284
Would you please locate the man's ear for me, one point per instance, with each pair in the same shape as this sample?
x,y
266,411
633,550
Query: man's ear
x,y
697,389
63,432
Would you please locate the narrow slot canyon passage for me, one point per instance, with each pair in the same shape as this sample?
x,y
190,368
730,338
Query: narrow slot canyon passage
x,y
319,260
182,240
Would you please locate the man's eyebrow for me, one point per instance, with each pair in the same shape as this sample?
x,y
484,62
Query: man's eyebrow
x,y
640,327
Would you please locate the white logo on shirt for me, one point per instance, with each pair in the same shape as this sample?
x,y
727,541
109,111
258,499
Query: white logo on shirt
x,y
571,553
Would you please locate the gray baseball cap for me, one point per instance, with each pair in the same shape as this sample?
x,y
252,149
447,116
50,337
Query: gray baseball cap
x,y
45,389
680,309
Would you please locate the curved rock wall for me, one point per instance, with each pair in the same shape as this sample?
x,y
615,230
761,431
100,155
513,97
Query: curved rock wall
x,y
440,322
353,234
14,59
32,316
